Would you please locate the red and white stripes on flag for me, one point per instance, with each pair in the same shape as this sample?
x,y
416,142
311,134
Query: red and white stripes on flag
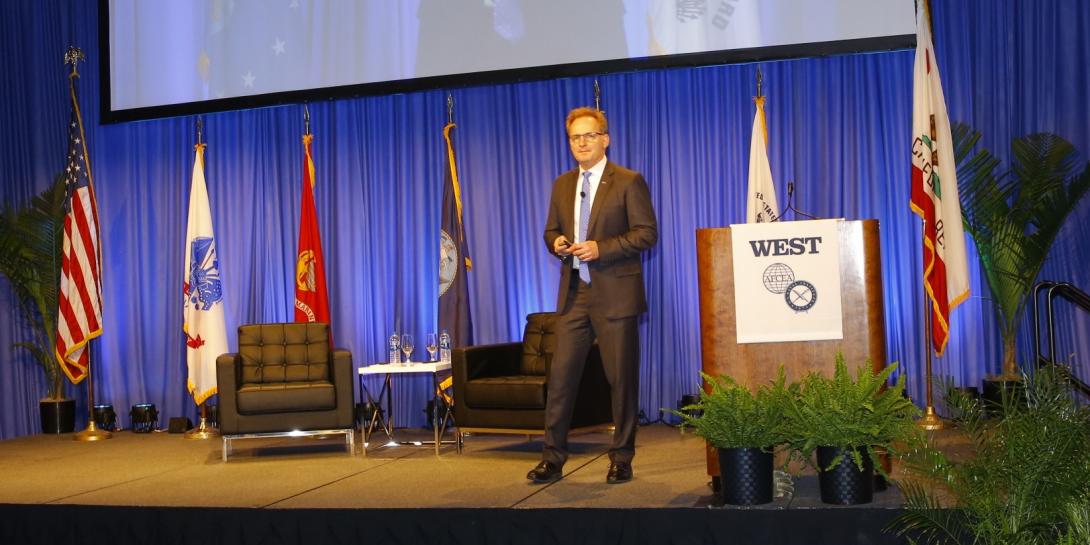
x,y
935,191
79,315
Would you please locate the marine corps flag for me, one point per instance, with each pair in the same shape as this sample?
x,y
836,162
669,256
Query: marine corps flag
x,y
79,313
935,191
311,297
454,314
203,322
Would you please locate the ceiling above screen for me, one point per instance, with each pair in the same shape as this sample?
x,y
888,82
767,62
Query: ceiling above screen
x,y
174,58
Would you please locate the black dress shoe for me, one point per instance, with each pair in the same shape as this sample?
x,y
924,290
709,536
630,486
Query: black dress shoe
x,y
619,472
547,472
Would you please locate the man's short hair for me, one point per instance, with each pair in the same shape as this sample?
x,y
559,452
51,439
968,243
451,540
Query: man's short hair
x,y
584,111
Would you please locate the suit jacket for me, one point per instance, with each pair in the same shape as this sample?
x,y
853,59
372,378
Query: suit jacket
x,y
622,222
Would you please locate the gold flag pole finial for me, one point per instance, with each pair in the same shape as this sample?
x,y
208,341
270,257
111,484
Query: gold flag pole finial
x,y
450,109
597,96
306,119
73,55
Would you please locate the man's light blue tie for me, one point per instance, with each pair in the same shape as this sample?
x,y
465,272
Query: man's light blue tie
x,y
584,219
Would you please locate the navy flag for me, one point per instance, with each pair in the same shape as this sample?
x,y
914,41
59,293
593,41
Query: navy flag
x,y
454,314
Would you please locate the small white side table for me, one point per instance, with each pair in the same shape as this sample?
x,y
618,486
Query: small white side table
x,y
439,421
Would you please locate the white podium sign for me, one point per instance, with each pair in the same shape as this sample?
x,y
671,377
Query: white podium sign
x,y
787,281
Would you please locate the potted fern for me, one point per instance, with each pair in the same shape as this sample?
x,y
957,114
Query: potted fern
x,y
744,426
1014,216
846,421
30,247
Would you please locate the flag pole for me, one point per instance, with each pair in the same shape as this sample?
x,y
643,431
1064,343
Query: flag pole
x,y
204,430
597,96
930,421
91,433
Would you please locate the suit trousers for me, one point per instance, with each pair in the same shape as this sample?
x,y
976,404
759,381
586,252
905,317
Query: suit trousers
x,y
576,328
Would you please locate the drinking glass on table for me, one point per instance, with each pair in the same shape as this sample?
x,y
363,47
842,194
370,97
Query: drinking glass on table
x,y
431,342
407,348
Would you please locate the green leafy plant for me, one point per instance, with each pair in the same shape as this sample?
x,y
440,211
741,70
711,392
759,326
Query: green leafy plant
x,y
859,415
733,416
30,247
1015,215
1024,481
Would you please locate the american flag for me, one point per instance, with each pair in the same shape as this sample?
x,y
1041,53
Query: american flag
x,y
79,316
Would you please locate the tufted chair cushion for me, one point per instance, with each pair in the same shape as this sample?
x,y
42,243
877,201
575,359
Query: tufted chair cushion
x,y
526,390
279,353
510,392
284,367
538,343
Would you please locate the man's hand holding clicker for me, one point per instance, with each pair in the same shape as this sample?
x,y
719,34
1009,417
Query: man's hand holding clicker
x,y
561,246
585,251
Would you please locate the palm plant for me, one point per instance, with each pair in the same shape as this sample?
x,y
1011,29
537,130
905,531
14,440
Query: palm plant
x,y
1024,481
30,247
1015,215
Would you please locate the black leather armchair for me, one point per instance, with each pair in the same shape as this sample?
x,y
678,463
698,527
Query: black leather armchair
x,y
502,388
285,380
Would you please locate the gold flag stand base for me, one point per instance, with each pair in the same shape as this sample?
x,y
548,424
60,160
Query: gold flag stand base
x,y
202,431
931,421
92,433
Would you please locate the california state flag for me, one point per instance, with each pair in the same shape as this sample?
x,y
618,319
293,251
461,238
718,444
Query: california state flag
x,y
204,326
935,191
311,297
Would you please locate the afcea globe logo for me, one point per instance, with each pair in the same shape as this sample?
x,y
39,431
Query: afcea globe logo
x,y
799,295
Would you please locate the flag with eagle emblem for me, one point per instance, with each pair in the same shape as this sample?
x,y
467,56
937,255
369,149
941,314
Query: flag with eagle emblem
x,y
311,296
204,325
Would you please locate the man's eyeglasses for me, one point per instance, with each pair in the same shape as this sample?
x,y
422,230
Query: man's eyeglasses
x,y
587,137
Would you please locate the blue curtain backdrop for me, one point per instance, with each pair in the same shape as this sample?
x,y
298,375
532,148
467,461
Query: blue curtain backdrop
x,y
838,127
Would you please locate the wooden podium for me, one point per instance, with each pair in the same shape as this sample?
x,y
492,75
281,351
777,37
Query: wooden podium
x,y
754,364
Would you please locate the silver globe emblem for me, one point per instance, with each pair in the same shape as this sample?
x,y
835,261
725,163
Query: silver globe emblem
x,y
777,277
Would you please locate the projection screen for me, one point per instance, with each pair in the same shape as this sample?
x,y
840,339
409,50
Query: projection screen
x,y
172,58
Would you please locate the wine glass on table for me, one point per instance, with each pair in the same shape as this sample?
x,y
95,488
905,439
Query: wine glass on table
x,y
431,342
407,348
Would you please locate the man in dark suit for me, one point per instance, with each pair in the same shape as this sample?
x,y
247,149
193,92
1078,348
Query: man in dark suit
x,y
600,221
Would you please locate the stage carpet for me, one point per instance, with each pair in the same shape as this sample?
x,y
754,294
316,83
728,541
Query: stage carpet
x,y
159,488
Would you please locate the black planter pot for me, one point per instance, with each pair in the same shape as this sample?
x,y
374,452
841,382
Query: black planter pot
x,y
844,484
994,391
745,476
58,415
